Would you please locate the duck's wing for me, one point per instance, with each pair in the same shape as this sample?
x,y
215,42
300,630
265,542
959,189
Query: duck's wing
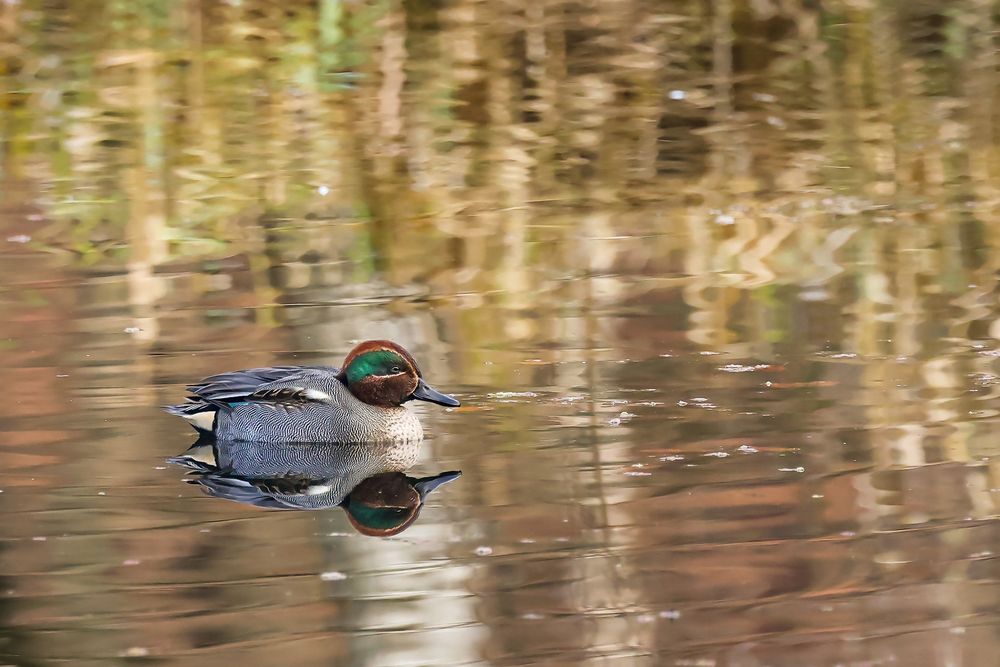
x,y
286,492
239,490
276,384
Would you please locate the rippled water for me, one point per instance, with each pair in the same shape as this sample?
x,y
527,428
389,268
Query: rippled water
x,y
716,283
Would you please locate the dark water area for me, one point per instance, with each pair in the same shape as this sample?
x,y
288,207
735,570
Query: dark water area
x,y
716,283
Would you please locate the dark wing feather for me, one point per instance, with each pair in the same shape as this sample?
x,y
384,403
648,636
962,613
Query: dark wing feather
x,y
239,490
274,384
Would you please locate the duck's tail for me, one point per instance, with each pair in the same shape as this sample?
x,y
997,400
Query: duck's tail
x,y
200,414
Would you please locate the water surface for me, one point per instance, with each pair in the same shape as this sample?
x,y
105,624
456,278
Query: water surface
x,y
716,284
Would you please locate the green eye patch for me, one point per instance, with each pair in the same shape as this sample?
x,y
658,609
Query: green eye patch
x,y
376,362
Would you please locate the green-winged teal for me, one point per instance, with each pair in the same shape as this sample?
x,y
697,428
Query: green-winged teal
x,y
366,480
361,402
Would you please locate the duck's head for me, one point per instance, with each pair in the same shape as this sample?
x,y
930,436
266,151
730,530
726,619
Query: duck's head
x,y
382,373
388,503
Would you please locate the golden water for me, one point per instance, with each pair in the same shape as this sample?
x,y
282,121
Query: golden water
x,y
717,284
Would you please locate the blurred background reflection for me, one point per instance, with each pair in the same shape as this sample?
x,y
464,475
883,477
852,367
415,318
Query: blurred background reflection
x,y
715,281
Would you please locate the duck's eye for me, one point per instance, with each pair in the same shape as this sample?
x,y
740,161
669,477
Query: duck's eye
x,y
395,369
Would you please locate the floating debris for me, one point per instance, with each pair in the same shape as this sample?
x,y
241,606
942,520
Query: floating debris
x,y
741,368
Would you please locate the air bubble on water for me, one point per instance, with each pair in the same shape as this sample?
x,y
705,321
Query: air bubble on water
x,y
719,455
626,415
19,238
131,561
39,538
323,190
483,550
332,575
671,614
677,95
681,403
747,449
132,330
818,495
102,493
531,616
797,469
672,457
614,421
645,618
637,473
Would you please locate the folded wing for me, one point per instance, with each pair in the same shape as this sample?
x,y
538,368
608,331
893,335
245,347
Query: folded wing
x,y
279,384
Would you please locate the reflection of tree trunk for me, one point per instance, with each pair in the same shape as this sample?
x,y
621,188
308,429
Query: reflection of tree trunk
x,y
145,230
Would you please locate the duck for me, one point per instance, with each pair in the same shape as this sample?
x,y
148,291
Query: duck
x,y
362,401
368,481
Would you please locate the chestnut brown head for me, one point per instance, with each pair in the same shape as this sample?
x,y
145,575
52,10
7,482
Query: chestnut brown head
x,y
382,373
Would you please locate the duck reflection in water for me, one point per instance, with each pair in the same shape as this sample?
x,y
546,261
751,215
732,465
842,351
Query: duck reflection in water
x,y
366,480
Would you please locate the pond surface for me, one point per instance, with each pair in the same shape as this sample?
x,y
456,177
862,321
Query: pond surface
x,y
717,285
